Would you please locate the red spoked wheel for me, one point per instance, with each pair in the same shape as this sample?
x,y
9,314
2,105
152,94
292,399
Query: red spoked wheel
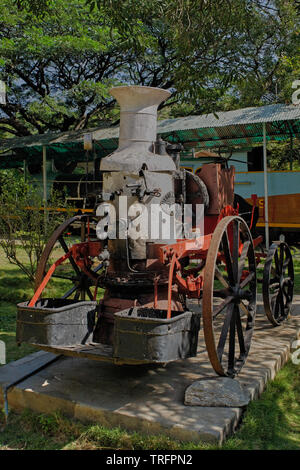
x,y
77,282
229,296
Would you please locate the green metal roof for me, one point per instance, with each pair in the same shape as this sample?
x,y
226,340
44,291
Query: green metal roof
x,y
241,127
234,128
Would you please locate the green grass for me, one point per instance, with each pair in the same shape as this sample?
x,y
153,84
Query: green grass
x,y
32,431
14,288
272,422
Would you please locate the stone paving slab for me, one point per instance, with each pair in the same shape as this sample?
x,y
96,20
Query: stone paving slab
x,y
149,398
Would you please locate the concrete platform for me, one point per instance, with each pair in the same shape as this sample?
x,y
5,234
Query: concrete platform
x,y
148,398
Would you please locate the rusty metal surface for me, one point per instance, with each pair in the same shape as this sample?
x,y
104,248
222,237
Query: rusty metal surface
x,y
57,322
41,268
84,275
220,185
157,272
226,241
144,334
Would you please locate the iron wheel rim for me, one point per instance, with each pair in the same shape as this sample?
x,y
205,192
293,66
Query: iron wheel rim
x,y
238,307
81,282
278,289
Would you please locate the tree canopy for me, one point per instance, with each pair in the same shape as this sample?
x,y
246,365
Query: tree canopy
x,y
59,58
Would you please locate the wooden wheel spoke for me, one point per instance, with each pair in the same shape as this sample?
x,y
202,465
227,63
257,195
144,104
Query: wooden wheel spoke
x,y
71,272
274,280
281,257
286,264
100,266
251,276
239,329
286,283
243,258
77,295
91,297
277,289
67,278
228,257
244,308
224,331
287,290
273,298
63,244
235,250
279,305
221,307
231,353
277,264
288,297
220,277
69,292
66,249
227,339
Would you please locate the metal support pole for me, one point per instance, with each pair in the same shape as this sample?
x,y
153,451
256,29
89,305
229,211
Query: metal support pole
x,y
266,186
94,165
45,185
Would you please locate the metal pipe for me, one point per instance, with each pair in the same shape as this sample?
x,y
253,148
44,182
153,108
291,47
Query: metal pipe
x,y
266,186
138,115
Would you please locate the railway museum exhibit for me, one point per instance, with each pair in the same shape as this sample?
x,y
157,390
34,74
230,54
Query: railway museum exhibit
x,y
165,246
149,226
143,316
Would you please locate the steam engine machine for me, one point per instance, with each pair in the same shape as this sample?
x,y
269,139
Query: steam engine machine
x,y
160,241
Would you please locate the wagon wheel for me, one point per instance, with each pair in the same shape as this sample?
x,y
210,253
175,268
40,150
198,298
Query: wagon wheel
x,y
78,283
229,296
278,283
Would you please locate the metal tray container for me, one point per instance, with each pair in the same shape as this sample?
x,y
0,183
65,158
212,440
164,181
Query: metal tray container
x,y
146,335
55,322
